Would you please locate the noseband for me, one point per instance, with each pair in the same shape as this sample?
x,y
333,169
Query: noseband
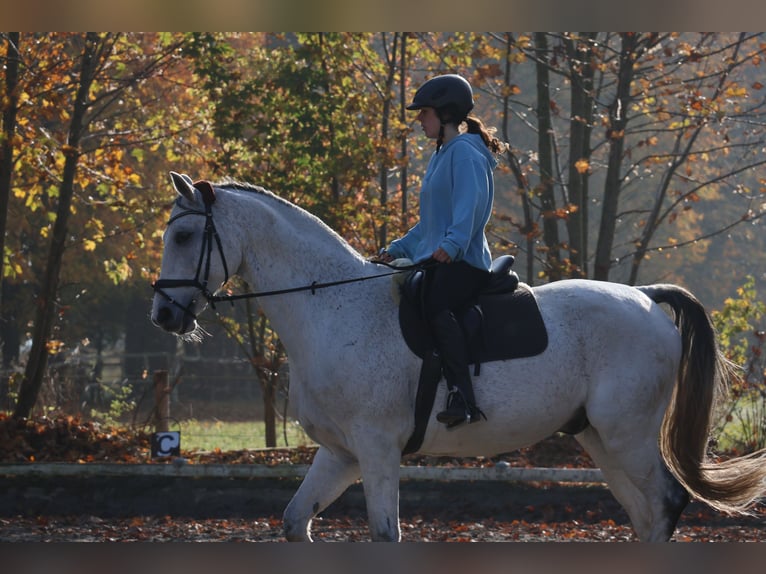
x,y
201,277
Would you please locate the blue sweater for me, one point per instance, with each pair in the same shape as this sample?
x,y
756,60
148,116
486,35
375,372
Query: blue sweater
x,y
455,204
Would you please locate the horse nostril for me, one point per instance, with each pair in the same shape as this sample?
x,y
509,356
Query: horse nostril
x,y
163,316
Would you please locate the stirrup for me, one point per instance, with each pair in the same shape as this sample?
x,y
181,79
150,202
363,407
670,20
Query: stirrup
x,y
458,412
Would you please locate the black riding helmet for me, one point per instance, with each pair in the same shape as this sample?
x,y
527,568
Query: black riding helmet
x,y
450,95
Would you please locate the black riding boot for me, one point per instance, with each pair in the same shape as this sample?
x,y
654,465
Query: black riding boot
x,y
450,341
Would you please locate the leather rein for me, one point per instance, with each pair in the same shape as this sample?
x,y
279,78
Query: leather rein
x,y
211,237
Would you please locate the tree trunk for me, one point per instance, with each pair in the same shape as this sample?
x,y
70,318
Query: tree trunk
x,y
403,120
545,155
270,411
518,174
618,120
385,163
580,56
268,379
10,108
46,300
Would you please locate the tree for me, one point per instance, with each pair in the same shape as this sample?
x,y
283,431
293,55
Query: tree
x,y
582,66
93,51
637,160
315,113
9,97
702,111
545,158
84,96
10,110
656,130
632,47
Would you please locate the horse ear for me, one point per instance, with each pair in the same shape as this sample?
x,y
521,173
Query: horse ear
x,y
183,185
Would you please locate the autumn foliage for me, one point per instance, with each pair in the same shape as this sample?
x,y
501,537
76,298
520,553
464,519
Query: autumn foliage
x,y
634,157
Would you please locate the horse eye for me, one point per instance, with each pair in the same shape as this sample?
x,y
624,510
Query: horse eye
x,y
182,237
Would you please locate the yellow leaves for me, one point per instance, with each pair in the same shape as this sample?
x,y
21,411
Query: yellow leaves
x,y
582,166
89,245
734,90
118,271
524,41
54,347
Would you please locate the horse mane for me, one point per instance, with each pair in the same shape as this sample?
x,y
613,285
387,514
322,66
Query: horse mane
x,y
237,185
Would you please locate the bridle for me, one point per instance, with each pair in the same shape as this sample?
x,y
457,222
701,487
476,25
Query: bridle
x,y
210,236
202,275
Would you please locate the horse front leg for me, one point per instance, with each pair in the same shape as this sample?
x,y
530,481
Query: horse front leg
x,y
328,477
380,479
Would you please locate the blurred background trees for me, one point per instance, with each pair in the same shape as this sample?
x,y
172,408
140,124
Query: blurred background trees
x,y
634,157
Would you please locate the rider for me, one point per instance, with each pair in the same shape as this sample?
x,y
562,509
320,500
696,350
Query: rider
x,y
455,204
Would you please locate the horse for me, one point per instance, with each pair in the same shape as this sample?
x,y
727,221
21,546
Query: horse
x,y
645,378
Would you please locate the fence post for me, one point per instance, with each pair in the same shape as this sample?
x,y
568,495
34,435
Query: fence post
x,y
161,401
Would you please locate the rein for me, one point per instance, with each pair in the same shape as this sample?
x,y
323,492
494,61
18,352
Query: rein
x,y
313,287
200,280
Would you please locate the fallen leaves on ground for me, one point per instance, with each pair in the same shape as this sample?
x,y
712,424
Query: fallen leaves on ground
x,y
414,529
70,439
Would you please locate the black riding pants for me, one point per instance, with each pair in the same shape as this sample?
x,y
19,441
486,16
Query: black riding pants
x,y
449,286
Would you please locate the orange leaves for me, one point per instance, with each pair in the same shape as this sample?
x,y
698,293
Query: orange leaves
x,y
561,212
510,90
67,439
582,165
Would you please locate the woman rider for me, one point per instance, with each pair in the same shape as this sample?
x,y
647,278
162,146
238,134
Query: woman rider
x,y
455,204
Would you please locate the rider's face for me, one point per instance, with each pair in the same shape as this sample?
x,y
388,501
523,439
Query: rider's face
x,y
429,121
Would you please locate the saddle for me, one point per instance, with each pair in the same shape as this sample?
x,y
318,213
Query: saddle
x,y
502,322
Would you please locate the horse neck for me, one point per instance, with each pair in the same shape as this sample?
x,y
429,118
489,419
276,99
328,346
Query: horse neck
x,y
284,247
287,246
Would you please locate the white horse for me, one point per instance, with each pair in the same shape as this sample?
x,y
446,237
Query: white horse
x,y
647,386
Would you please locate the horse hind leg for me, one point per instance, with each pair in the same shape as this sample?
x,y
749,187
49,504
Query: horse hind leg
x,y
328,477
642,484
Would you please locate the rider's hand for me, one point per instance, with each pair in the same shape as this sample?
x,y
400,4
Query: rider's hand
x,y
441,256
384,256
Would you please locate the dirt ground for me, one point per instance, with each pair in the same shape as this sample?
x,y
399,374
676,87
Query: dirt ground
x,y
557,521
528,512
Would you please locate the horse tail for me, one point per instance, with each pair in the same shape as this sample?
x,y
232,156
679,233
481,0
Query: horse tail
x,y
704,376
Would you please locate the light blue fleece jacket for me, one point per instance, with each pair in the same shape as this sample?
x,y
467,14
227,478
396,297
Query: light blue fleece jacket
x,y
455,204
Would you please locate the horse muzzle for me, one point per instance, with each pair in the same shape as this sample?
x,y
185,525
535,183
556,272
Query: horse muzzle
x,y
172,315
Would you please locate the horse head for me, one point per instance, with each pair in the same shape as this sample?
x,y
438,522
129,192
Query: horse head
x,y
193,260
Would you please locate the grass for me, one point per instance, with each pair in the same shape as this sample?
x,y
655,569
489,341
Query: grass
x,y
208,435
745,427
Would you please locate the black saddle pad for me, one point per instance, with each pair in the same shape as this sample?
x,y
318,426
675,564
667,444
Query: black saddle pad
x,y
499,327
